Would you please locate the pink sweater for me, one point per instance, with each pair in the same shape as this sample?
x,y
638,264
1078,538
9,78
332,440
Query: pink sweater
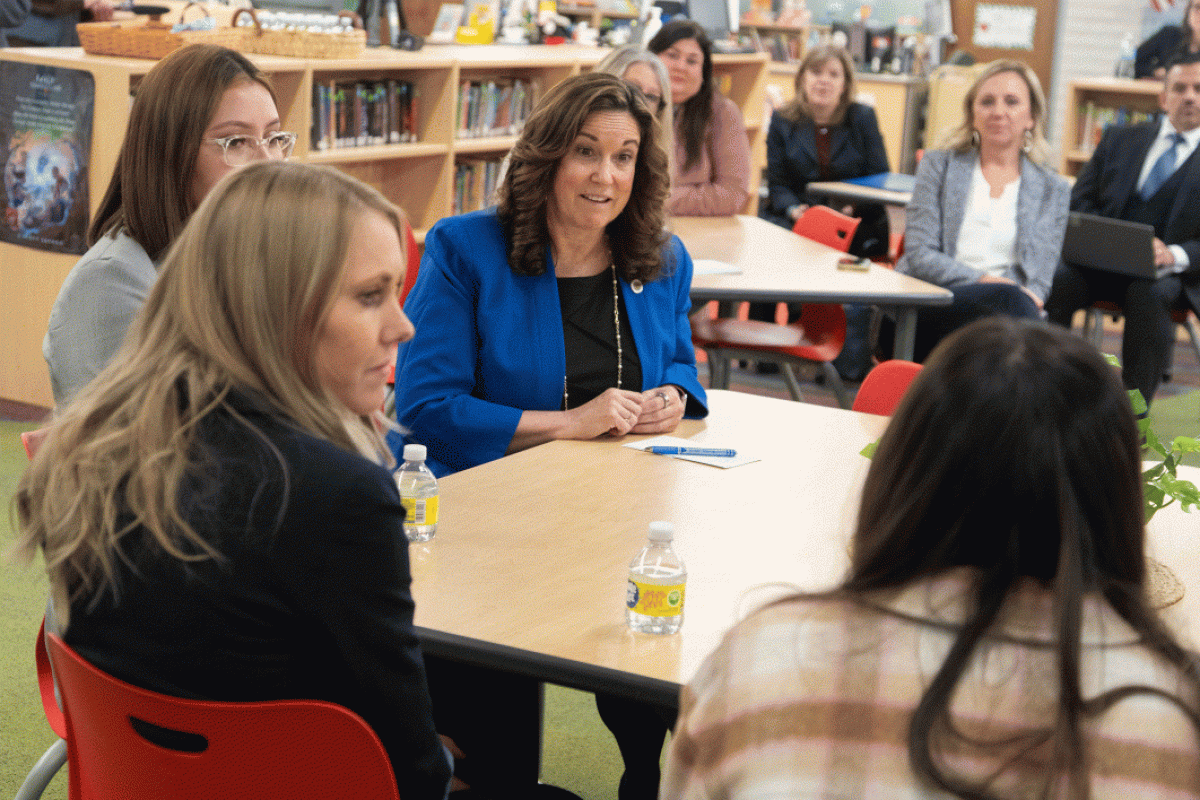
x,y
719,183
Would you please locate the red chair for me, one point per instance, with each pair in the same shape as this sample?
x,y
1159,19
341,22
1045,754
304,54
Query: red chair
x,y
284,749
32,440
51,762
817,337
883,387
410,279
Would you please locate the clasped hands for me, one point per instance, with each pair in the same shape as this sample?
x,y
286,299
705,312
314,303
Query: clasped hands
x,y
620,411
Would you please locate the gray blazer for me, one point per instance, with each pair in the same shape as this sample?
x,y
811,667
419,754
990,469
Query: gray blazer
x,y
96,304
935,216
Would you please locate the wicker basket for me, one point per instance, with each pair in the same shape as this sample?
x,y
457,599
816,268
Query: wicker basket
x,y
342,43
151,39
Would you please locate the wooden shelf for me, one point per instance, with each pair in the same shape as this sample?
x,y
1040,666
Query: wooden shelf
x,y
417,176
1102,93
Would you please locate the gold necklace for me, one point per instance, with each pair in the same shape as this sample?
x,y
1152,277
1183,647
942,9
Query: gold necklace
x,y
616,330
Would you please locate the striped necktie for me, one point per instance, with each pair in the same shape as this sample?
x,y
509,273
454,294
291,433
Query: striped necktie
x,y
1162,169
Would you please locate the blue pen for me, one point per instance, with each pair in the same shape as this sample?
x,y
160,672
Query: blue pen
x,y
708,452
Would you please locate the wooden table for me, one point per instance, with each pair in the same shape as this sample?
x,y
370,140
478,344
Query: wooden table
x,y
528,569
887,188
527,572
777,266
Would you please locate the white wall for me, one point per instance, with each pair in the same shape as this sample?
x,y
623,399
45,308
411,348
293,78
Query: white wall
x,y
1086,46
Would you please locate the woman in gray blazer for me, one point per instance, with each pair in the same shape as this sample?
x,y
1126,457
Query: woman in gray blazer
x,y
987,219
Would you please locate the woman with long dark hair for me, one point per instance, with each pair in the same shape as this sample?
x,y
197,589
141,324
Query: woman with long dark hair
x,y
1168,44
711,170
992,639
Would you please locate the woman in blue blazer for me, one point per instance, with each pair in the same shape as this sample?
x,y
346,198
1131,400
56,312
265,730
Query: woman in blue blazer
x,y
986,219
561,314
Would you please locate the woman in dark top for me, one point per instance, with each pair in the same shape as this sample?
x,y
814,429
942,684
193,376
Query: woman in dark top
x,y
1168,44
822,135
215,510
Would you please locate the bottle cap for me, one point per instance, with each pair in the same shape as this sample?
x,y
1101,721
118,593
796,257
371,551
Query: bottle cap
x,y
661,531
414,452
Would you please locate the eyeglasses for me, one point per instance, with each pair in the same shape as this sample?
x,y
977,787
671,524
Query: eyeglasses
x,y
239,149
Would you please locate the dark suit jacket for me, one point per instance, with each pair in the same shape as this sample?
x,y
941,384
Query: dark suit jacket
x,y
855,149
310,598
1110,177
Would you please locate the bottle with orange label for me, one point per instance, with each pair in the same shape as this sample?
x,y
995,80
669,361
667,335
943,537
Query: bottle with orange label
x,y
657,580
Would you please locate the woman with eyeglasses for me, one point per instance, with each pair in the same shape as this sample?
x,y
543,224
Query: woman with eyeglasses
x,y
177,146
646,71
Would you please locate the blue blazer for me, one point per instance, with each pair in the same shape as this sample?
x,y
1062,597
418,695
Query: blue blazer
x,y
935,217
489,343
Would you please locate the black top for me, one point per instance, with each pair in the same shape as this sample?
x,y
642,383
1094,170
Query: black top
x,y
310,599
589,335
1158,51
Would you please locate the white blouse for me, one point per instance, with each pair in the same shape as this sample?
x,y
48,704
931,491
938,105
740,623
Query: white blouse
x,y
987,239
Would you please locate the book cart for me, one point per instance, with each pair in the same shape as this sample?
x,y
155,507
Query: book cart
x,y
419,175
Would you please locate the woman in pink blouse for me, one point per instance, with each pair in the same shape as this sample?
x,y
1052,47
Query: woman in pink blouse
x,y
712,154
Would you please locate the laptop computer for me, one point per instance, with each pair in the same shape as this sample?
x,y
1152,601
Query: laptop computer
x,y
1113,245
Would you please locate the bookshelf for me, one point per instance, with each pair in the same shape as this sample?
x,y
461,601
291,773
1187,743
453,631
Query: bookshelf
x,y
418,175
1094,102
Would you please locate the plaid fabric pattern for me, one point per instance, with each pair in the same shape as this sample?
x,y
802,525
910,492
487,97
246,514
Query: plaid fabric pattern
x,y
812,699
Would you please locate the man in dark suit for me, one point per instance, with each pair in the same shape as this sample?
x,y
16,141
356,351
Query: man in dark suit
x,y
1147,173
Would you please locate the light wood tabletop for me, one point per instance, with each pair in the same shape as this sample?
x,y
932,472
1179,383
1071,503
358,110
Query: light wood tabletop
x,y
529,565
528,569
864,192
776,265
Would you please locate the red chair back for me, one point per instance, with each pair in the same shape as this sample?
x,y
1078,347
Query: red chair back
x,y
831,228
414,261
883,387
284,749
32,440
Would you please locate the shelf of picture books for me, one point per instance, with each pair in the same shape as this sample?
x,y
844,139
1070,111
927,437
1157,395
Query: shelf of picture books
x,y
1093,105
475,182
494,107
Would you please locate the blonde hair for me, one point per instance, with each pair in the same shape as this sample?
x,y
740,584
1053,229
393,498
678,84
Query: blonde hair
x,y
961,139
240,301
798,109
620,60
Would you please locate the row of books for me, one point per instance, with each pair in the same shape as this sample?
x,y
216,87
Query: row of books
x,y
1093,119
494,107
358,113
475,182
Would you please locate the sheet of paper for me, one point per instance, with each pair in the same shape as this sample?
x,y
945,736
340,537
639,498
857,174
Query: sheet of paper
x,y
675,441
707,266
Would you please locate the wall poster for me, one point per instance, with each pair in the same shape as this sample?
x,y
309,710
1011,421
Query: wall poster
x,y
45,139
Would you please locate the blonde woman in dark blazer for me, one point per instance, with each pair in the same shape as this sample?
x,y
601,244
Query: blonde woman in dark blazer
x,y
987,218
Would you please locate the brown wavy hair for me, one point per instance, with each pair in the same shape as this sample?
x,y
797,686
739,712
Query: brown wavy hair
x,y
636,237
150,192
693,116
798,109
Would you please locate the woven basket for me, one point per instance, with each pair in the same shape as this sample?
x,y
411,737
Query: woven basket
x,y
343,43
151,39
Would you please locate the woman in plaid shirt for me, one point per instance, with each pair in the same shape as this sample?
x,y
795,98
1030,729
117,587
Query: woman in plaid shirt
x,y
993,638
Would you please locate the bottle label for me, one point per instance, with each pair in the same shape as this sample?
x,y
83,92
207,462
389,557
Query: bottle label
x,y
654,600
420,511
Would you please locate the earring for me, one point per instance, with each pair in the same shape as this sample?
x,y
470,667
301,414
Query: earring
x,y
1027,144
974,138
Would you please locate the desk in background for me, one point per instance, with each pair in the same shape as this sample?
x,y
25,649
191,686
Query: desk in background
x,y
777,266
887,188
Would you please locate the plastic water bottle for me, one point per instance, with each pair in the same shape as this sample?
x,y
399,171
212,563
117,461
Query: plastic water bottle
x,y
1125,58
657,579
418,493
